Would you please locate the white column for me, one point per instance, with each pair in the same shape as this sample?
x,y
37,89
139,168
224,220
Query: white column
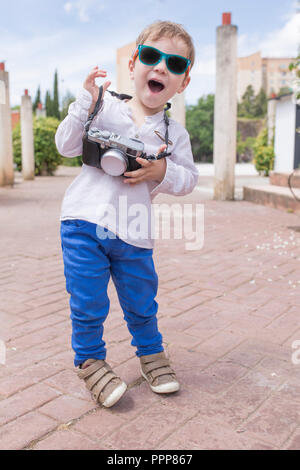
x,y
6,148
27,137
177,109
271,118
40,112
225,114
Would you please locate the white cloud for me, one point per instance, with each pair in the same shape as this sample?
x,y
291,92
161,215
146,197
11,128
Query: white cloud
x,y
29,66
68,7
282,42
84,8
32,60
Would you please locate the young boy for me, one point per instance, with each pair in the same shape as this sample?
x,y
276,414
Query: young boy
x,y
98,242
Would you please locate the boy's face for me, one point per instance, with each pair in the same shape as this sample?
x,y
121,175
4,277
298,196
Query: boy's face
x,y
153,97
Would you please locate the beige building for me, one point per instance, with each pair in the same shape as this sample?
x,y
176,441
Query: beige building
x,y
124,83
261,72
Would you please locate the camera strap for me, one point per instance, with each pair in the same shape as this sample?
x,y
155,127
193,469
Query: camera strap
x,y
122,96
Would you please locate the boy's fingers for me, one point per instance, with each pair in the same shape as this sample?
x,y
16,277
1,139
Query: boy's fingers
x,y
143,162
161,148
95,72
135,173
106,85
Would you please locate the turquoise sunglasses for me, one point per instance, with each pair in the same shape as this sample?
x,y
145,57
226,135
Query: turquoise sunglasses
x,y
150,56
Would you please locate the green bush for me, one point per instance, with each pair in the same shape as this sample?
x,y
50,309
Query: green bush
x,y
74,161
200,126
46,155
263,153
244,148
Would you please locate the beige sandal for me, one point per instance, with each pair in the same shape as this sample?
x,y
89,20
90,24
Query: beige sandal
x,y
105,386
156,369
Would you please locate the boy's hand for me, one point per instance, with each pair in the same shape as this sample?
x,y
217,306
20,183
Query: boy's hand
x,y
90,85
151,170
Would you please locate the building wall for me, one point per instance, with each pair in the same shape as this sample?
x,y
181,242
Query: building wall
x,y
278,74
15,118
124,84
249,73
284,142
263,72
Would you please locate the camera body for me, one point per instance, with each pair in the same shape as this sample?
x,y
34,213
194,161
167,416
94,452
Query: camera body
x,y
111,152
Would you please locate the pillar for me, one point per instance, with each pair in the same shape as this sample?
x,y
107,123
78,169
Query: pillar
x,y
177,109
225,111
6,147
271,118
27,137
40,111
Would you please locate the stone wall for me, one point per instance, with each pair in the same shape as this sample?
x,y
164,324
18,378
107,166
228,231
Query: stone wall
x,y
249,127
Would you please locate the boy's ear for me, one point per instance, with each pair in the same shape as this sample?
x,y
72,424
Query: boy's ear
x,y
131,68
184,84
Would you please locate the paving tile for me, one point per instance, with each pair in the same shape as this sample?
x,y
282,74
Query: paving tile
x,y
25,401
294,442
23,430
227,329
66,408
274,421
200,434
65,439
138,435
99,423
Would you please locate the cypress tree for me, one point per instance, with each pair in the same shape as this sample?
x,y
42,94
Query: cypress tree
x,y
48,104
37,99
55,108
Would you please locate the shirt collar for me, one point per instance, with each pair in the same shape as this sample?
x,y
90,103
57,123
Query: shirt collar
x,y
153,118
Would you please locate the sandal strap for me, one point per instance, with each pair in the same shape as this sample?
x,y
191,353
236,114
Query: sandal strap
x,y
153,357
162,371
157,365
100,385
91,369
150,366
98,375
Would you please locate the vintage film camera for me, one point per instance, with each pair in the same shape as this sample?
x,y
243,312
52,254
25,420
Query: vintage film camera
x,y
111,152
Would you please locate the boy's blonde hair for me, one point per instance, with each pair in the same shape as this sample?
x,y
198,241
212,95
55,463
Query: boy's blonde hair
x,y
160,29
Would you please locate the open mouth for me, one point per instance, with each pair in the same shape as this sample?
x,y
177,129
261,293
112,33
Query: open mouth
x,y
155,86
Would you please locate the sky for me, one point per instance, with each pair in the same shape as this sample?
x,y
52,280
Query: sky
x,y
37,37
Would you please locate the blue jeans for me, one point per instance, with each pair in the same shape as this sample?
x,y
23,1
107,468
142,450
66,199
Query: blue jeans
x,y
88,263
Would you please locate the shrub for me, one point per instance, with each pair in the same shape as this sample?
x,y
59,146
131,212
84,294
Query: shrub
x,y
46,155
244,148
74,161
263,153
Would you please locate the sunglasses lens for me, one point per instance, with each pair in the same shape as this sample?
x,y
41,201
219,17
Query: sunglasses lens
x,y
149,56
177,64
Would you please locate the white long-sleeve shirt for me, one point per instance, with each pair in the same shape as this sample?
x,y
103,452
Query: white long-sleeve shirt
x,y
105,200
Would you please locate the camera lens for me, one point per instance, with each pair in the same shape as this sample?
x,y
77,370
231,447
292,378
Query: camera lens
x,y
114,162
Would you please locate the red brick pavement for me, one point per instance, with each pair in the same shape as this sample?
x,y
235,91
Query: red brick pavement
x,y
229,314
